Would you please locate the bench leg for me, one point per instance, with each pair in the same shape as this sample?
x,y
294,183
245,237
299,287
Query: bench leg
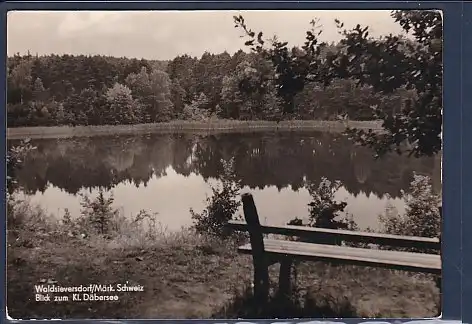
x,y
261,282
285,277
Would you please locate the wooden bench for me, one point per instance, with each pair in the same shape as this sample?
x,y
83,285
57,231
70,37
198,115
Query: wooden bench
x,y
326,247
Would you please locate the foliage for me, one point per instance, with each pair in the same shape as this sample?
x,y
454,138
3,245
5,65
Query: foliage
x,y
83,108
98,214
197,110
182,70
325,211
221,206
27,223
393,63
177,97
147,219
387,64
72,90
422,216
100,220
15,161
67,218
122,106
19,81
231,99
292,68
154,93
394,78
63,90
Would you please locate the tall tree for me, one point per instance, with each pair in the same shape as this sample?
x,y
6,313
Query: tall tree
x,y
178,96
39,93
162,107
122,106
153,92
182,69
293,68
20,80
231,98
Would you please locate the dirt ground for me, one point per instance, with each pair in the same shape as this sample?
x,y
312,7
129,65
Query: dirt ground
x,y
187,278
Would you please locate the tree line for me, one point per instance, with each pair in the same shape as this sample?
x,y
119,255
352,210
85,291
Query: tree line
x,y
97,90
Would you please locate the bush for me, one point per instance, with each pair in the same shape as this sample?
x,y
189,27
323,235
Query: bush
x,y
15,156
27,218
192,113
98,215
325,211
221,206
101,221
422,216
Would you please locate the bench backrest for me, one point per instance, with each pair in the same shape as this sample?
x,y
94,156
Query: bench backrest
x,y
261,274
253,224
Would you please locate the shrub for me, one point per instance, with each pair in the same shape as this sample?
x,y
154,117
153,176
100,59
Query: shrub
x,y
100,220
26,218
422,216
221,206
15,156
193,113
98,214
325,211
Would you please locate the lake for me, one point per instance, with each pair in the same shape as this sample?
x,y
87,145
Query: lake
x,y
170,173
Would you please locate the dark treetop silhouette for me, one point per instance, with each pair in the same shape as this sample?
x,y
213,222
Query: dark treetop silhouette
x,y
387,64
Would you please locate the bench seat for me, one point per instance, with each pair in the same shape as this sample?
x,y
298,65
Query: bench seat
x,y
408,261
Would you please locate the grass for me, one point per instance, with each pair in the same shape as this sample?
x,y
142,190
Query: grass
x,y
212,126
187,276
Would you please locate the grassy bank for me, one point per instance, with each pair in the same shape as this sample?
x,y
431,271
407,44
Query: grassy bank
x,y
185,275
216,126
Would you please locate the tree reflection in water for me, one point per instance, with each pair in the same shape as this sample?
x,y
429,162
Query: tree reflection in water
x,y
262,161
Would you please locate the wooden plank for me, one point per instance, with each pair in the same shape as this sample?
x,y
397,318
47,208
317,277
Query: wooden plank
x,y
344,235
259,258
409,261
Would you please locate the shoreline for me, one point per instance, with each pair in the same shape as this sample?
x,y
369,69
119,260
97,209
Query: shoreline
x,y
218,126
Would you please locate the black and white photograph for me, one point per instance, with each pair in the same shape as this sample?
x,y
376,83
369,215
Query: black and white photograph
x,y
224,164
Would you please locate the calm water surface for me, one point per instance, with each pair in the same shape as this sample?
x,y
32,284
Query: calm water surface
x,y
171,173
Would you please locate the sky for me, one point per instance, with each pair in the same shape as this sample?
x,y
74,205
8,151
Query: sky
x,y
165,35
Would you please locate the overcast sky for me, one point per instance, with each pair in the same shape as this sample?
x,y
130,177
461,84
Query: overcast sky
x,y
164,35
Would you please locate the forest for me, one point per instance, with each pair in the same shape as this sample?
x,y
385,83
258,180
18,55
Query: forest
x,y
97,90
